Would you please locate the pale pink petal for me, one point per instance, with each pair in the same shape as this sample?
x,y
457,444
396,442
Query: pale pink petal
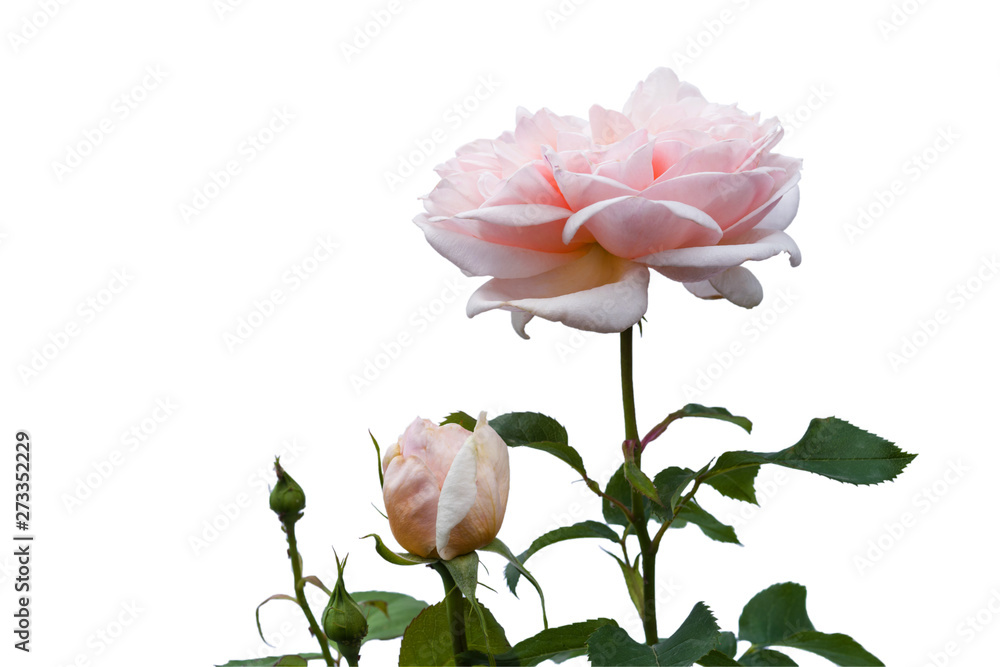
x,y
620,150
762,146
481,522
737,285
785,183
687,113
581,190
724,197
633,227
689,265
703,290
435,445
516,215
477,257
573,141
781,215
607,126
668,153
543,237
725,156
635,171
598,292
532,131
411,493
531,184
454,194
660,88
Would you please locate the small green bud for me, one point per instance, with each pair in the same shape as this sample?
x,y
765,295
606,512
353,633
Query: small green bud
x,y
287,497
344,620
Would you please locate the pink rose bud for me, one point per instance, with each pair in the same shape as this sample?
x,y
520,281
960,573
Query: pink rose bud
x,y
445,488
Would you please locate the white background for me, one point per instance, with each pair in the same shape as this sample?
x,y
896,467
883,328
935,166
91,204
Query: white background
x,y
863,98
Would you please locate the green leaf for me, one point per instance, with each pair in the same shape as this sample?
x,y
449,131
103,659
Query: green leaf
x,y
397,558
638,480
498,547
727,644
584,529
557,644
775,613
837,648
737,484
697,634
716,658
378,460
693,513
317,582
275,661
522,428
670,484
695,410
777,617
536,431
619,489
399,612
276,596
833,448
427,640
766,658
611,646
633,581
463,419
465,571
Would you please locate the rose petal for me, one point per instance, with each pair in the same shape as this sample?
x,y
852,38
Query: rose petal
x,y
481,523
661,87
454,194
725,156
598,292
477,257
726,198
632,226
737,285
689,265
607,126
517,215
458,494
583,190
411,495
781,215
703,290
785,182
435,445
635,171
531,184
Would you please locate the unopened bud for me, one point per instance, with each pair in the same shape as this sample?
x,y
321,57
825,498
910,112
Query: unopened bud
x,y
344,620
287,497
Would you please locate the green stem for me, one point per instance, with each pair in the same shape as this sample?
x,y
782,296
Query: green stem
x,y
628,392
639,521
300,594
455,605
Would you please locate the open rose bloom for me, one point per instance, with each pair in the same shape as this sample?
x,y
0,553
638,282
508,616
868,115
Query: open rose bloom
x,y
445,488
568,216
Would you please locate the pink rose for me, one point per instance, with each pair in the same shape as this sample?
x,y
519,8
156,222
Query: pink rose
x,y
445,488
568,216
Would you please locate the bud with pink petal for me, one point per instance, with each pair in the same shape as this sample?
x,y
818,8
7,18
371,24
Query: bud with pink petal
x,y
445,487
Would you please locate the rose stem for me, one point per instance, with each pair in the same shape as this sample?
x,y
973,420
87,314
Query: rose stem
x,y
638,509
455,606
300,592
